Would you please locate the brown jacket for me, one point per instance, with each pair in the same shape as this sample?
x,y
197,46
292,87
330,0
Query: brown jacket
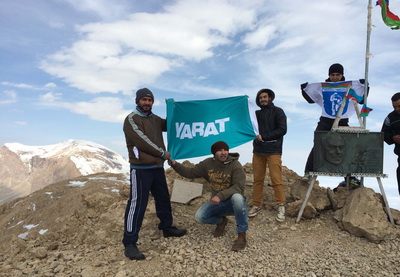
x,y
144,140
224,178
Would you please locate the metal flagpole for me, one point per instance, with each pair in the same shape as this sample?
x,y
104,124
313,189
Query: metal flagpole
x,y
367,55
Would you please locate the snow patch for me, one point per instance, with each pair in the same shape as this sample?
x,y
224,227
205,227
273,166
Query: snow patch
x,y
43,231
76,184
30,226
23,235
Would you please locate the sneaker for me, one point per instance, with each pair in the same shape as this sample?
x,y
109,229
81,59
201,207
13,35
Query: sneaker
x,y
174,232
254,211
281,213
133,253
354,183
306,177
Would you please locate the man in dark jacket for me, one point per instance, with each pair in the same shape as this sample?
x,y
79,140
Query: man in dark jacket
x,y
143,134
391,131
226,178
267,150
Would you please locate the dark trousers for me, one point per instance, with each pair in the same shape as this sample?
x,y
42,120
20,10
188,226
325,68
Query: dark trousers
x,y
324,124
398,173
144,181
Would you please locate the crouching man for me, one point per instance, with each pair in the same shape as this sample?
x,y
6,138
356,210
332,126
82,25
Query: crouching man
x,y
226,177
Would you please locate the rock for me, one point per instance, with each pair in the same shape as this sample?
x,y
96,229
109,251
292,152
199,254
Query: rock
x,y
318,197
98,200
52,246
363,216
341,196
396,216
40,252
292,209
333,198
121,273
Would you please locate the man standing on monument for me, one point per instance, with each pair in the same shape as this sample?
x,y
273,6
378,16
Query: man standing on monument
x,y
330,101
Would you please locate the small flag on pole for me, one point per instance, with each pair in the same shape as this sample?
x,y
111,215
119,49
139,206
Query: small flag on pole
x,y
390,19
354,96
365,111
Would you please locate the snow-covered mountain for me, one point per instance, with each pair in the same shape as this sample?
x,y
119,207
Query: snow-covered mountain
x,y
25,169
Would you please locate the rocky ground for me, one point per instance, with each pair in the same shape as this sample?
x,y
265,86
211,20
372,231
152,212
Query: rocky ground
x,y
78,229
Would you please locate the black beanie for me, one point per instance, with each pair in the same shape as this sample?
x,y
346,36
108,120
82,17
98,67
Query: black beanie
x,y
144,92
336,68
218,146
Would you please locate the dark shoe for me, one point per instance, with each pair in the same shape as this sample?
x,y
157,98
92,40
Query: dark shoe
x,y
240,242
174,232
133,253
219,230
354,183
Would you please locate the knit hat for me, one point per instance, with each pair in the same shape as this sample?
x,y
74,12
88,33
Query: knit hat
x,y
336,68
218,146
265,90
144,92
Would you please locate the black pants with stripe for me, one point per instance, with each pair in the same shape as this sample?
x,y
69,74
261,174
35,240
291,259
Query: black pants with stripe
x,y
143,182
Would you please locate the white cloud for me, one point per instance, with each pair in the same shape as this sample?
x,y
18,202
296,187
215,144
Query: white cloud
x,y
106,109
50,85
16,85
11,97
125,54
22,123
260,37
50,96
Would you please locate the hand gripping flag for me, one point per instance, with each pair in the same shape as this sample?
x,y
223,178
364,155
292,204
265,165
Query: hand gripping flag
x,y
193,126
365,111
390,19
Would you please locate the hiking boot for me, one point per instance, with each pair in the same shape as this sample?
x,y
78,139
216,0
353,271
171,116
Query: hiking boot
x,y
281,213
133,253
219,230
174,232
240,243
254,211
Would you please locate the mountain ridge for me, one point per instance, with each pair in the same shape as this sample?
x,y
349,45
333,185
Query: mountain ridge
x,y
26,169
74,228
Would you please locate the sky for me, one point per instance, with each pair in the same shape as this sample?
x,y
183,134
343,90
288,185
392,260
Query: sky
x,y
70,68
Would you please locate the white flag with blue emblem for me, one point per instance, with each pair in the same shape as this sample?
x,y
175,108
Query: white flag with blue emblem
x,y
329,96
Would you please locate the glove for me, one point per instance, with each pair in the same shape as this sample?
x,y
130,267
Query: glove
x,y
303,86
362,81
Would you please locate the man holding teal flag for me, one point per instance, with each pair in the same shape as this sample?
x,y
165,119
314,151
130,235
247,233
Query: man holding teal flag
x,y
194,125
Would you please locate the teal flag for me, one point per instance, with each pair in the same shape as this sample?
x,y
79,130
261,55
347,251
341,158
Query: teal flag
x,y
193,126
